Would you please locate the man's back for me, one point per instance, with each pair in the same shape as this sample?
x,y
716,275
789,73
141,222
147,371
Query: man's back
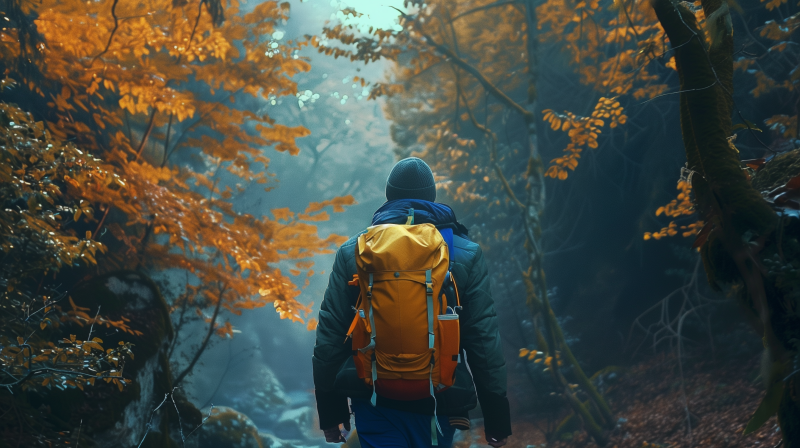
x,y
335,378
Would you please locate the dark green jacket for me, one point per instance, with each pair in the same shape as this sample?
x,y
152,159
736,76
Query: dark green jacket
x,y
334,372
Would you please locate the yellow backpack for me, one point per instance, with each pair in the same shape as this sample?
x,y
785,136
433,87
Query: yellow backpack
x,y
405,337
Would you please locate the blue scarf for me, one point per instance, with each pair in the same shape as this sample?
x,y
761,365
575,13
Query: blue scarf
x,y
425,212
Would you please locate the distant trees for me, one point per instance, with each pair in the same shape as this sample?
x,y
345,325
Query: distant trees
x,y
463,96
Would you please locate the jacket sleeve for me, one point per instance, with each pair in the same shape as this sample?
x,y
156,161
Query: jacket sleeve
x,y
480,338
330,350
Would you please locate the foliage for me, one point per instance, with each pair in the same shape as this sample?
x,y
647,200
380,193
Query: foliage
x,y
681,206
582,131
610,46
610,43
746,228
161,94
46,186
456,102
773,71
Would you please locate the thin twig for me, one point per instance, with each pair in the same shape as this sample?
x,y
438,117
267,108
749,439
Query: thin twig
x,y
91,328
203,422
180,423
150,422
113,31
78,439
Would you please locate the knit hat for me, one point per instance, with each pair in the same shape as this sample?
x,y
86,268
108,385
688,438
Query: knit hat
x,y
411,178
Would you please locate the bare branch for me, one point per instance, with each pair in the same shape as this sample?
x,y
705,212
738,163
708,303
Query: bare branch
x,y
469,68
113,31
485,7
204,344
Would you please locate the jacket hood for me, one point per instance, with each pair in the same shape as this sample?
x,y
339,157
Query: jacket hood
x,y
425,212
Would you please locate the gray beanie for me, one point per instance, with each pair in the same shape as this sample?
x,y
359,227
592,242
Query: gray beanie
x,y
411,178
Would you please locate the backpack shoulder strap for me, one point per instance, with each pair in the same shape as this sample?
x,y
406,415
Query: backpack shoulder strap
x,y
447,235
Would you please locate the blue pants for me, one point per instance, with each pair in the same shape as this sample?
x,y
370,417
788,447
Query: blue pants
x,y
380,427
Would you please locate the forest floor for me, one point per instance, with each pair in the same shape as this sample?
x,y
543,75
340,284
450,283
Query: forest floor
x,y
648,400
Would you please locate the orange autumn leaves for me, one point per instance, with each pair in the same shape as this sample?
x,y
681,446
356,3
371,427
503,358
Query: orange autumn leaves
x,y
582,131
680,206
540,357
150,89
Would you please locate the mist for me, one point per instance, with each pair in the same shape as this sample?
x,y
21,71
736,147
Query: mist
x,y
179,177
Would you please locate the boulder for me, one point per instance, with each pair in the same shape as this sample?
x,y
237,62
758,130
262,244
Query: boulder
x,y
228,428
296,423
109,417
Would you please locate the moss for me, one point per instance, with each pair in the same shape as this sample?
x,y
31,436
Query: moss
x,y
566,427
719,266
721,188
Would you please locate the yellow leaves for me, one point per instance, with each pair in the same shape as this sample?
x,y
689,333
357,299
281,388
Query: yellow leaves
x,y
539,357
582,131
553,118
765,84
531,355
225,330
312,324
610,55
783,124
282,214
338,204
681,206
773,4
782,30
159,71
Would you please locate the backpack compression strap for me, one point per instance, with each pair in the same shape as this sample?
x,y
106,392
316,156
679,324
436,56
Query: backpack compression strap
x,y
371,345
431,344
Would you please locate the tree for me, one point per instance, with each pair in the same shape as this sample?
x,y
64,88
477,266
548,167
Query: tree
x,y
151,89
748,233
43,184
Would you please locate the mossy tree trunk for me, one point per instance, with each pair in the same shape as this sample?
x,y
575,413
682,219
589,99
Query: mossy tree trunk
x,y
743,225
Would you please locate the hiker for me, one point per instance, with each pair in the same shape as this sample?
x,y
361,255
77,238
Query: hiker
x,y
407,328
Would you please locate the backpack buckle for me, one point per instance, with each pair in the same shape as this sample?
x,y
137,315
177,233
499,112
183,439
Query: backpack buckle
x,y
428,282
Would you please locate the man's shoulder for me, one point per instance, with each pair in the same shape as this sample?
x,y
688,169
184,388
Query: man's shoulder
x,y
465,244
467,251
346,249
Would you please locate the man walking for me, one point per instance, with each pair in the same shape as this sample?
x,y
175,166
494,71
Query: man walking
x,y
400,419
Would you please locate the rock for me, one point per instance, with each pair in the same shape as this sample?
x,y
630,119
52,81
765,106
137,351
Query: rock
x,y
270,441
295,424
260,395
106,415
228,428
